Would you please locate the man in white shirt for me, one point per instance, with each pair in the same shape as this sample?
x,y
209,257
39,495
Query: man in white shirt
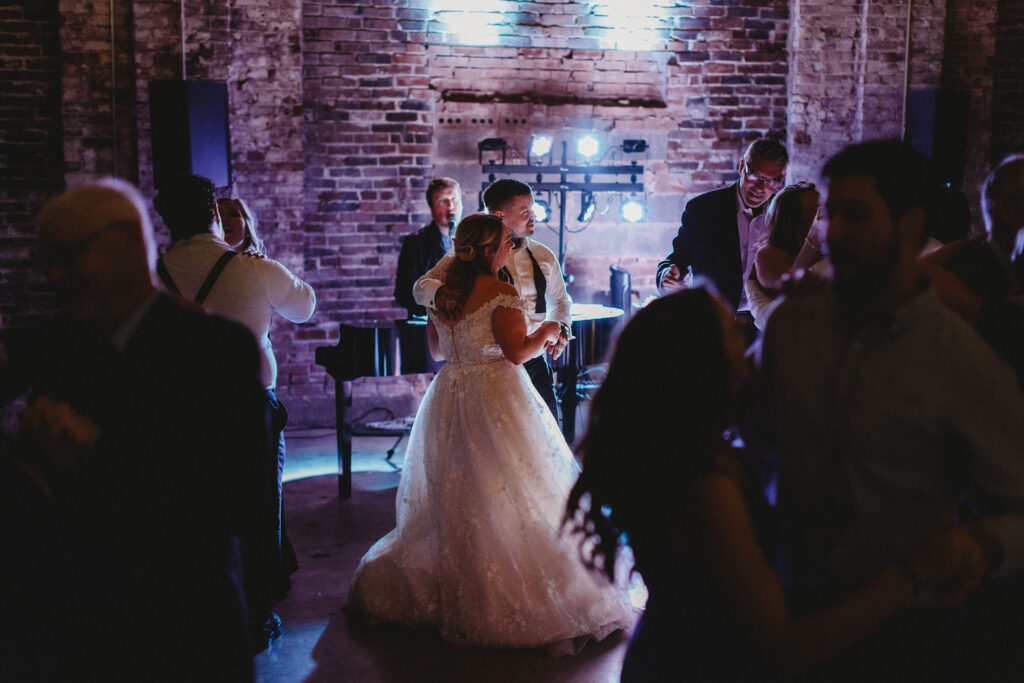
x,y
532,269
249,289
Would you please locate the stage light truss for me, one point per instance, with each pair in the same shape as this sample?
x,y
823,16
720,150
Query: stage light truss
x,y
570,178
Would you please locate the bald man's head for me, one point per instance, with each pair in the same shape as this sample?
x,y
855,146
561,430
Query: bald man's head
x,y
98,250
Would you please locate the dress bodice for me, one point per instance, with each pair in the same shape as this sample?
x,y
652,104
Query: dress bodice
x,y
471,341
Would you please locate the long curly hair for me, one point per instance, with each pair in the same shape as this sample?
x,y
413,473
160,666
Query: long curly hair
x,y
655,422
475,239
785,220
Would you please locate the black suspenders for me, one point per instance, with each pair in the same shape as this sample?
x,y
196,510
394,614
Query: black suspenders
x,y
211,278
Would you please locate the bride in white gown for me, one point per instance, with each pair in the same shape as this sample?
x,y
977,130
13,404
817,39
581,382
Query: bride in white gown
x,y
479,550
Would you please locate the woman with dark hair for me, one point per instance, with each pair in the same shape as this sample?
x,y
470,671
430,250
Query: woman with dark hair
x,y
478,551
657,469
790,243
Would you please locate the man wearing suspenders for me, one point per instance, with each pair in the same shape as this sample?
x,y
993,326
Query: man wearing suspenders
x,y
201,267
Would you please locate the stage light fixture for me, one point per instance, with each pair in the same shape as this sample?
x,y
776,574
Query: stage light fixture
x,y
588,146
491,145
632,210
541,211
540,145
634,146
587,206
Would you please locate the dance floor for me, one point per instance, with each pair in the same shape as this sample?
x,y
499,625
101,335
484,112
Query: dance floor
x,y
320,642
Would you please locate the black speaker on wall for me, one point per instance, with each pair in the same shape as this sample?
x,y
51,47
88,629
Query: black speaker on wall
x,y
937,126
189,123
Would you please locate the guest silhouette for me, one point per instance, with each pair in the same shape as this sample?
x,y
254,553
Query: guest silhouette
x,y
141,422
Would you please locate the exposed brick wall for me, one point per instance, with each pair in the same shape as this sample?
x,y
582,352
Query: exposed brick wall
x,y
341,112
255,46
98,109
968,64
265,95
1008,114
847,73
713,80
31,160
367,116
368,132
157,57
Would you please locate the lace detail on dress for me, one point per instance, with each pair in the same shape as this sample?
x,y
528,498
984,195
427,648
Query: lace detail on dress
x,y
470,341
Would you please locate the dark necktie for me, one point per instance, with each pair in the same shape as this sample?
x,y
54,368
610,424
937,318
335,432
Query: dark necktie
x,y
505,276
540,284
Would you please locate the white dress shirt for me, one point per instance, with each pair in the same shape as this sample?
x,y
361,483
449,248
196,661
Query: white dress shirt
x,y
249,291
750,230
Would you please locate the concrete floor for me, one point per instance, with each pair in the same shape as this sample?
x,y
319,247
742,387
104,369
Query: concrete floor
x,y
320,642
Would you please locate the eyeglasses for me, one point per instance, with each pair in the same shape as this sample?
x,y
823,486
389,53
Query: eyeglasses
x,y
758,179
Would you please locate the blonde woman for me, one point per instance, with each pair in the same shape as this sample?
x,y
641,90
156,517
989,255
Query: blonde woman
x,y
240,225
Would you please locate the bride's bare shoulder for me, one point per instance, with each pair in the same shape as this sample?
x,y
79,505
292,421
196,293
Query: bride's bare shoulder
x,y
484,290
504,288
487,287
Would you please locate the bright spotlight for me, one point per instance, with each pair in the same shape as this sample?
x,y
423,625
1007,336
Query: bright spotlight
x,y
587,206
540,145
633,211
588,146
541,211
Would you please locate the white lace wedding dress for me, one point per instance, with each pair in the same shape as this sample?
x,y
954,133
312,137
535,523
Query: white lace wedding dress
x,y
478,551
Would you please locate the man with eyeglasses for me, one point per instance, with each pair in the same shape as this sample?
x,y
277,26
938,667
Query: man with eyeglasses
x,y
715,239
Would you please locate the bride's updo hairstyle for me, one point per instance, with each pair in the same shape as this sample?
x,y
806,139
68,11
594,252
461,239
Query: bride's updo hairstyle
x,y
477,238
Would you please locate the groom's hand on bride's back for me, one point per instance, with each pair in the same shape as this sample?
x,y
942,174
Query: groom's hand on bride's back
x,y
447,306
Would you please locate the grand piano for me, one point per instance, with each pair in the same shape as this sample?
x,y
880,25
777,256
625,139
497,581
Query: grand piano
x,y
364,349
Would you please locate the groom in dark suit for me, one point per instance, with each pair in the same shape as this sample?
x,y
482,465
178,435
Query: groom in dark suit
x,y
142,420
715,239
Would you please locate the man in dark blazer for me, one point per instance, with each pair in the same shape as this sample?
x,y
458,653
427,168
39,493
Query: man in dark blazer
x,y
714,240
423,249
142,420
